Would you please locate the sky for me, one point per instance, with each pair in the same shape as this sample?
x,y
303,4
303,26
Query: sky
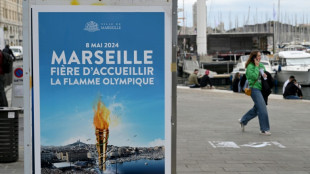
x,y
231,11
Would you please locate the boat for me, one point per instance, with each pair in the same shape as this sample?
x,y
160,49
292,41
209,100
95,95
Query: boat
x,y
296,63
240,66
294,48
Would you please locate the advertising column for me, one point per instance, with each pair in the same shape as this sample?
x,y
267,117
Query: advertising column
x,y
102,89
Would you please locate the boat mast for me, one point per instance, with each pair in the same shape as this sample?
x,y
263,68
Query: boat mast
x,y
274,31
278,28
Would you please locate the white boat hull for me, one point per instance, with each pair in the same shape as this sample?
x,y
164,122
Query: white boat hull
x,y
302,77
243,72
240,66
294,63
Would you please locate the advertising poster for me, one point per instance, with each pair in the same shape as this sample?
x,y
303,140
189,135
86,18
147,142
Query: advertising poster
x,y
102,83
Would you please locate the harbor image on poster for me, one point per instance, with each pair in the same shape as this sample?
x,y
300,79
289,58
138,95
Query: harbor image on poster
x,y
99,91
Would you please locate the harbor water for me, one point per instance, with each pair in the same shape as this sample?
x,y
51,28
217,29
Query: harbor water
x,y
142,166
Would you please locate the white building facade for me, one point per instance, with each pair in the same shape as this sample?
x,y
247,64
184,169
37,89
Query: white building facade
x,y
11,21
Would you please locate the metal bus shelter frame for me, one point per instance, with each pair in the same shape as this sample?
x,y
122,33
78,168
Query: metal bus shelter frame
x,y
27,63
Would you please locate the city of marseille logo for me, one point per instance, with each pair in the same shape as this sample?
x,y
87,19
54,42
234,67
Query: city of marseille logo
x,y
91,26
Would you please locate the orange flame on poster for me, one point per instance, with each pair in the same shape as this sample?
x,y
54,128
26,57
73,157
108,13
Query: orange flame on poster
x,y
75,2
102,116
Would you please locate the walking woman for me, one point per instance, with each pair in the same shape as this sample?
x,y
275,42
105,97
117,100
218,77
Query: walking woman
x,y
254,71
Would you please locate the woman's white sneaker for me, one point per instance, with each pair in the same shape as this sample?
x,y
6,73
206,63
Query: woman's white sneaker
x,y
266,133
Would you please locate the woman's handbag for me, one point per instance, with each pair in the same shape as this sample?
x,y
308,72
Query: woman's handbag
x,y
248,91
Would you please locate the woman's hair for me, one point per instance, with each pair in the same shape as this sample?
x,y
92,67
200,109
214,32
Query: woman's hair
x,y
252,56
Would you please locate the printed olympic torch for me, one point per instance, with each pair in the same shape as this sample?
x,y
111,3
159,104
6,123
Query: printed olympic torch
x,y
101,123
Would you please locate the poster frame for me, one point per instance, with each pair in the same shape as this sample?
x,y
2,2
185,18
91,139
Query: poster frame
x,y
170,91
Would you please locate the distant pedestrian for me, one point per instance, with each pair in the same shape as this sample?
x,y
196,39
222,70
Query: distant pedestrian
x,y
9,51
191,49
193,80
254,71
3,99
205,81
292,91
287,81
236,82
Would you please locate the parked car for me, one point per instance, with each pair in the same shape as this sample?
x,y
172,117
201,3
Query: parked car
x,y
17,51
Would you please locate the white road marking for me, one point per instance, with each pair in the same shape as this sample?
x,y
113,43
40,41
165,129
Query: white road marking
x,y
231,144
257,144
278,144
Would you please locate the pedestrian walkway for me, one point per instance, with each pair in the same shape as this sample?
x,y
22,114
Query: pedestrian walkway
x,y
210,140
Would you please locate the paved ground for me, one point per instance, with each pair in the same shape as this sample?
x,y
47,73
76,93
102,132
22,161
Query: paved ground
x,y
209,139
16,167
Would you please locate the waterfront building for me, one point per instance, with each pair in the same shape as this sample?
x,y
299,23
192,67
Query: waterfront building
x,y
47,156
62,155
76,155
11,21
283,32
73,155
